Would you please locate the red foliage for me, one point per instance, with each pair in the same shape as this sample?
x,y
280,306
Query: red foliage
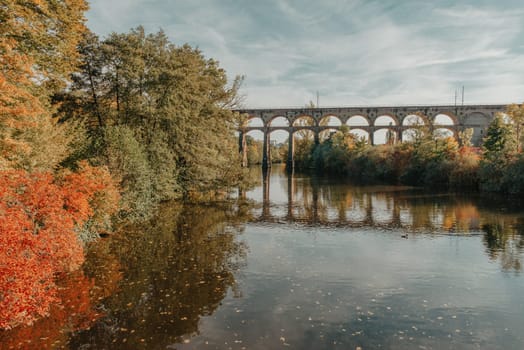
x,y
91,193
38,216
74,312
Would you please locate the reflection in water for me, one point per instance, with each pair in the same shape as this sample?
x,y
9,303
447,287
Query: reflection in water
x,y
318,201
304,263
505,243
76,308
179,269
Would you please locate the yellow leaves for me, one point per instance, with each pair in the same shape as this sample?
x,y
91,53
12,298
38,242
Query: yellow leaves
x,y
46,31
38,49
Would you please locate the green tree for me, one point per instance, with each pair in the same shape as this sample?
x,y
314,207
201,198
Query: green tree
x,y
500,139
176,102
498,153
254,150
516,114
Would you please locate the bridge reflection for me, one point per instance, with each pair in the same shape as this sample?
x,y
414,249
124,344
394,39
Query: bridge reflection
x,y
294,198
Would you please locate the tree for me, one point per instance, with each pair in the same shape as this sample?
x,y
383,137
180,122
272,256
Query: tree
x,y
39,218
37,54
48,32
516,114
465,137
500,139
498,153
174,101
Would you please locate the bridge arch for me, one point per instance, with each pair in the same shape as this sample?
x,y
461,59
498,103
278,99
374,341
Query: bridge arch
x,y
444,118
386,120
412,134
479,122
358,120
256,134
326,132
414,119
252,147
330,120
253,121
443,132
385,135
303,120
305,133
278,120
360,133
476,118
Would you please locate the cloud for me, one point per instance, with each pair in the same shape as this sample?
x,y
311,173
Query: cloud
x,y
353,52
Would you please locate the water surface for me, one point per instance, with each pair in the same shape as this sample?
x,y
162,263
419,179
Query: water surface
x,y
304,263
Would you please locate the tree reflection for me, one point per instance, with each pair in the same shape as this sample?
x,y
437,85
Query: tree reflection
x,y
505,243
327,202
78,296
176,270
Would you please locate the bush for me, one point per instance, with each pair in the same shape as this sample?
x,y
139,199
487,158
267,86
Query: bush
x,y
464,172
513,178
128,162
39,216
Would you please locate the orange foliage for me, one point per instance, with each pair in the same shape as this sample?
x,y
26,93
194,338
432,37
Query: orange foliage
x,y
75,311
38,217
473,152
91,193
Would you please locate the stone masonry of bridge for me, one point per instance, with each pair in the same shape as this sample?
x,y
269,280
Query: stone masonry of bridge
x,y
476,117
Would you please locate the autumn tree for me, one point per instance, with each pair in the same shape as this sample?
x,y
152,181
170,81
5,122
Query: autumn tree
x,y
39,217
464,137
37,53
304,139
516,114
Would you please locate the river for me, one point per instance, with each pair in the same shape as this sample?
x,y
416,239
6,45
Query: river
x,y
302,263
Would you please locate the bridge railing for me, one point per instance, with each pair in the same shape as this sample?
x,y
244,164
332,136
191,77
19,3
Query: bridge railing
x,y
478,105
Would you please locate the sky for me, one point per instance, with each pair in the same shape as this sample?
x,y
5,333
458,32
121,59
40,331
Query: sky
x,y
352,52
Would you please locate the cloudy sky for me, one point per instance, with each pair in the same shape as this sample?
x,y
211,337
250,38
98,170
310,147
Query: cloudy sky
x,y
353,52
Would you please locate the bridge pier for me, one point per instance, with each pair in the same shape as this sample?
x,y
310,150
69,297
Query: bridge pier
x,y
290,194
290,152
266,177
266,151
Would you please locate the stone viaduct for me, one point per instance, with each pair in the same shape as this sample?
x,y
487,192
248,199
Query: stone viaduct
x,y
397,121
